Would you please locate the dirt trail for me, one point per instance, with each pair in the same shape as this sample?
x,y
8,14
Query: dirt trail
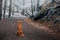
x,y
8,30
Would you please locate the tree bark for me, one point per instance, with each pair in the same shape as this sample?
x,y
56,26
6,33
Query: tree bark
x,y
13,11
32,7
5,4
37,5
10,8
1,9
23,11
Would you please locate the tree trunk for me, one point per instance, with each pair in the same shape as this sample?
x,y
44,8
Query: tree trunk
x,y
13,11
5,3
10,8
23,8
32,7
23,12
1,9
37,5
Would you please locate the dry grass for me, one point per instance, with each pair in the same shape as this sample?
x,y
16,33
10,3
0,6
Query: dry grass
x,y
48,26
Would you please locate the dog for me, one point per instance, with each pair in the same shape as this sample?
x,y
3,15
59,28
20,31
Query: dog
x,y
19,29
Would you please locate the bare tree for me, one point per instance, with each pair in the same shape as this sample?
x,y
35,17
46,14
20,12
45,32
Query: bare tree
x,y
10,8
23,8
13,11
32,7
5,4
13,8
1,9
37,5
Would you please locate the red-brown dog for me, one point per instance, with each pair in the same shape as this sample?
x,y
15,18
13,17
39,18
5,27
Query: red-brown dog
x,y
19,29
